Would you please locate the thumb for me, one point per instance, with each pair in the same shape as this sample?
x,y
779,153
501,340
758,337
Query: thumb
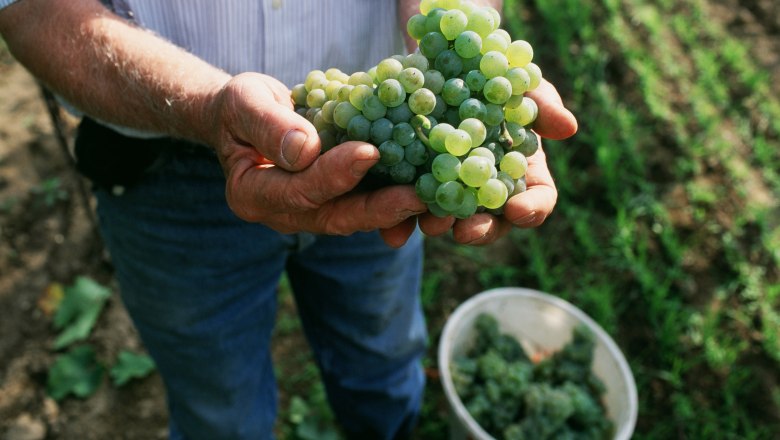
x,y
256,119
334,173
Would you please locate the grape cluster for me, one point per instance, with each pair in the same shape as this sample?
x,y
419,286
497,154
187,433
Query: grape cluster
x,y
451,118
513,398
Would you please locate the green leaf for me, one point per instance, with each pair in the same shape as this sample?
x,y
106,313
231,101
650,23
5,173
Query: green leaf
x,y
129,366
76,372
79,311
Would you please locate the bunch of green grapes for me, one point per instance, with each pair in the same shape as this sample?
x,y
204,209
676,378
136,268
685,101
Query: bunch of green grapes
x,y
451,118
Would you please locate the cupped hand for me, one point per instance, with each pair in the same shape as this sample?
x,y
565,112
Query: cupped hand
x,y
276,175
527,209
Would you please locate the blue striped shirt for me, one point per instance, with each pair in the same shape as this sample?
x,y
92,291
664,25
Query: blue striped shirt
x,y
282,38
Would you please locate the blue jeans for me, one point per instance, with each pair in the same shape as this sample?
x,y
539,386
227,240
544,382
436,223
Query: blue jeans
x,y
201,285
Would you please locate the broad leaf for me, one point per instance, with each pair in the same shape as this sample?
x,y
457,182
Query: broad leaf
x,y
76,372
131,366
79,311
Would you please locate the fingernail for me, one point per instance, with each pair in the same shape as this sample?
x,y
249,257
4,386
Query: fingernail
x,y
292,144
530,218
361,167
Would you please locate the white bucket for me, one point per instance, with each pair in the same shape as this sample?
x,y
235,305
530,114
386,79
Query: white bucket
x,y
539,321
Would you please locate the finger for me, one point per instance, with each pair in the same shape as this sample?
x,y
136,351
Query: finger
x,y
530,208
385,208
399,234
434,226
554,120
258,121
280,91
480,229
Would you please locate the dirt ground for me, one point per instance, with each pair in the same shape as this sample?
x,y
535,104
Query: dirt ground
x,y
48,236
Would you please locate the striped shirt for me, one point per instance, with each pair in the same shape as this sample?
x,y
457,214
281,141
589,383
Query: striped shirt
x,y
282,38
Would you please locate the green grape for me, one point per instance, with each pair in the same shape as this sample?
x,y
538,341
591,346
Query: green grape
x,y
411,79
535,73
416,153
388,68
327,111
448,63
391,93
432,44
520,186
439,109
493,64
299,94
416,60
452,23
505,34
451,4
483,152
359,78
496,17
381,130
496,149
475,80
437,210
476,130
415,27
332,73
494,115
438,135
520,80
494,42
507,180
449,195
316,98
433,21
403,134
359,128
468,44
390,153
468,206
515,164
445,167
458,142
403,172
434,81
468,7
482,22
472,63
343,93
524,114
400,113
427,5
493,194
315,79
475,171
373,108
455,91
319,123
327,139
529,145
372,73
332,89
451,116
422,102
472,108
497,90
359,94
519,53
343,113
425,187
517,133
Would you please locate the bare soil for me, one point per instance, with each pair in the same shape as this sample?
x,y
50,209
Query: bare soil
x,y
49,237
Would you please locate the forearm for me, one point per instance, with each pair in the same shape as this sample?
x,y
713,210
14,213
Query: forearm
x,y
112,70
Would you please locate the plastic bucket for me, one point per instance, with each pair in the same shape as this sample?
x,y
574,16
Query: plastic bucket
x,y
539,321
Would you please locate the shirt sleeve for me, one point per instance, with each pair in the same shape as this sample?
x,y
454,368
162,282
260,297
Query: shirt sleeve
x,y
4,3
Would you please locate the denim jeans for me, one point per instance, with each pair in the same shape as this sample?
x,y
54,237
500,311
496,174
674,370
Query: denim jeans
x,y
201,288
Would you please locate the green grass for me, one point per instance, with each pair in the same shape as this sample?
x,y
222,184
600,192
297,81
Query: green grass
x,y
666,229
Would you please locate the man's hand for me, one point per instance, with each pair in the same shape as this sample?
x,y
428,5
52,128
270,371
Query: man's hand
x,y
277,177
530,208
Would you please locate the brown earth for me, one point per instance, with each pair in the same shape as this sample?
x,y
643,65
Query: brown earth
x,y
49,236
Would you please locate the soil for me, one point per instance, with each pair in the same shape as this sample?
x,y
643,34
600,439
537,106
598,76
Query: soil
x,y
48,237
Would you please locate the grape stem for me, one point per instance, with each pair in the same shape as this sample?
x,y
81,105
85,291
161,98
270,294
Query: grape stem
x,y
505,138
